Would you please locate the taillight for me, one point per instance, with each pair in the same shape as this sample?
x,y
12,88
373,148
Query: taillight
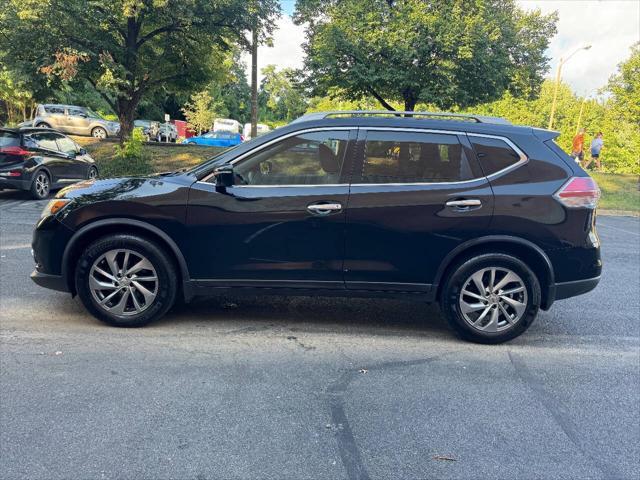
x,y
11,173
579,192
14,151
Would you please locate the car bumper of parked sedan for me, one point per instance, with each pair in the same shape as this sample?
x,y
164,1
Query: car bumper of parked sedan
x,y
53,282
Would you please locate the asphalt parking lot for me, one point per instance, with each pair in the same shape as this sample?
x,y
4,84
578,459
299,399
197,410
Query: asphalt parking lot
x,y
294,388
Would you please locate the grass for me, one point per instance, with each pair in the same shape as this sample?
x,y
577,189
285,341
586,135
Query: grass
x,y
163,157
619,192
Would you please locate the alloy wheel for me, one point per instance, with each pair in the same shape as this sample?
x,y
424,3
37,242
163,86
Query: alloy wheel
x,y
99,133
493,299
123,282
42,185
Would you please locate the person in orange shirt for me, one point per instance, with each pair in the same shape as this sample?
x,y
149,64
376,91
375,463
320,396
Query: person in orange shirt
x,y
577,148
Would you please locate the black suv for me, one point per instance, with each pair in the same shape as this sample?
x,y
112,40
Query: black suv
x,y
494,221
40,160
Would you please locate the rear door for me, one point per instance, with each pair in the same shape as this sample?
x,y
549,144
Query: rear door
x,y
415,196
56,117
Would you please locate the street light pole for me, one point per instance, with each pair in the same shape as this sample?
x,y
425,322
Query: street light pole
x,y
563,60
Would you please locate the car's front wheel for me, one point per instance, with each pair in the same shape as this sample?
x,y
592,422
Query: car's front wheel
x,y
126,280
491,298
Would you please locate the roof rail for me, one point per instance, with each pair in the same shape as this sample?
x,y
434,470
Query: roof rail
x,y
357,113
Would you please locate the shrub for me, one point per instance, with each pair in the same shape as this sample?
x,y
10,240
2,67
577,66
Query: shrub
x,y
130,159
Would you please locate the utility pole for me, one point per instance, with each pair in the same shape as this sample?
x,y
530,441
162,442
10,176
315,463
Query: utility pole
x,y
254,82
562,61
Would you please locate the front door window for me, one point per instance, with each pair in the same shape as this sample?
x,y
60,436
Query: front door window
x,y
314,158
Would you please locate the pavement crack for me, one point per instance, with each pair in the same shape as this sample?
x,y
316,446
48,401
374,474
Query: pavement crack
x,y
347,445
561,418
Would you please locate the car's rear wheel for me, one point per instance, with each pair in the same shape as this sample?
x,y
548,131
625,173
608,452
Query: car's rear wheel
x,y
43,125
126,280
491,298
93,173
99,132
40,185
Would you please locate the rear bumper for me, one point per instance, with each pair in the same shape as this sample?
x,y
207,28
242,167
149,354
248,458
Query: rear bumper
x,y
52,282
577,287
14,184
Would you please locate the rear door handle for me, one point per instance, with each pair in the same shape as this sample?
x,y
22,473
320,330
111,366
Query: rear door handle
x,y
464,204
324,208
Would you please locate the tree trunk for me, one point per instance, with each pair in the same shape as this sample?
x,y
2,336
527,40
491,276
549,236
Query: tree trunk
x,y
409,102
126,114
254,83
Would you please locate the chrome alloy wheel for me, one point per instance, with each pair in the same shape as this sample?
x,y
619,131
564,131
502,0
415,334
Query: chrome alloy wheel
x,y
123,282
42,184
493,299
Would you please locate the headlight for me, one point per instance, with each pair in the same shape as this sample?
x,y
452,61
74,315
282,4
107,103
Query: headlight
x,y
54,206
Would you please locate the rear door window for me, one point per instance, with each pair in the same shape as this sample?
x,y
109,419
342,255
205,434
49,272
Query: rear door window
x,y
54,110
494,154
408,157
46,140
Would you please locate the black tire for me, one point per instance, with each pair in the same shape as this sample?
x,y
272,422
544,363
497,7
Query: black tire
x,y
161,262
40,185
461,273
92,173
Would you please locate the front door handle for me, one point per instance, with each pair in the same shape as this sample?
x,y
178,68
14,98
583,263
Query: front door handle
x,y
466,204
324,208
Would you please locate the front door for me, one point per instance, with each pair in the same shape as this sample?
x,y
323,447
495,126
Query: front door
x,y
416,195
282,223
78,121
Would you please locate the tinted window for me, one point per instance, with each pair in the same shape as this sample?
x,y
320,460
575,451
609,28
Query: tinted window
x,y
307,159
67,145
51,110
402,157
77,112
46,140
9,140
494,154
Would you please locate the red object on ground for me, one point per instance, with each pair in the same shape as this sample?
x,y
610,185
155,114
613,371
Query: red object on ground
x,y
183,129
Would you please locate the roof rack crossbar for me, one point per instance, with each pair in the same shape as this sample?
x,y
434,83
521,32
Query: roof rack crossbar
x,y
354,113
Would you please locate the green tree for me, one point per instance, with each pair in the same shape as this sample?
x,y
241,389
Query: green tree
x,y
16,100
281,99
443,52
201,111
624,86
124,48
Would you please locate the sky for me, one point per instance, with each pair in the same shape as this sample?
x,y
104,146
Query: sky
x,y
609,26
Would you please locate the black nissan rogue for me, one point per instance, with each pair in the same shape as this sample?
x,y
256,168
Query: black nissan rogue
x,y
491,220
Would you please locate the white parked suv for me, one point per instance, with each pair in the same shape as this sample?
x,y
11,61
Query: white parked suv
x,y
75,120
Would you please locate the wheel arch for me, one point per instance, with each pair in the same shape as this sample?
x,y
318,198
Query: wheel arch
x,y
521,248
101,228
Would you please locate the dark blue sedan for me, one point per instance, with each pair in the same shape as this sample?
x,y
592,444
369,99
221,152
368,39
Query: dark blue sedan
x,y
216,139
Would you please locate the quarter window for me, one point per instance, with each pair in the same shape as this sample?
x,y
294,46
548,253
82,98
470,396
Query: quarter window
x,y
403,157
494,154
307,159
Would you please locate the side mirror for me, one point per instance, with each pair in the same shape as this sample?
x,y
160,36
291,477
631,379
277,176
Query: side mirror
x,y
224,177
82,151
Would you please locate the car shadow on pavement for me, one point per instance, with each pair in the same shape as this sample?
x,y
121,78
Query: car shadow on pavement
x,y
314,313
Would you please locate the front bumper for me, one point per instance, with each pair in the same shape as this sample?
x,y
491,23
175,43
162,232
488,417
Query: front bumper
x,y
52,282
